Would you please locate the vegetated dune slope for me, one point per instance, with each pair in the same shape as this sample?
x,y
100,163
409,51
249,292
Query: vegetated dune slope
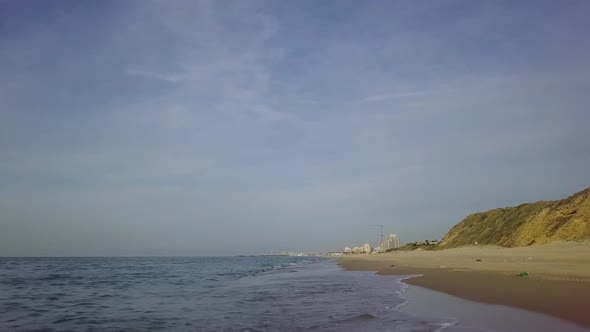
x,y
531,223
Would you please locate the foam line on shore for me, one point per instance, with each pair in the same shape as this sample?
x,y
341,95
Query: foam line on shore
x,y
561,270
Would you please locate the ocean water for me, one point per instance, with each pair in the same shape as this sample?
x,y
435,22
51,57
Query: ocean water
x,y
199,294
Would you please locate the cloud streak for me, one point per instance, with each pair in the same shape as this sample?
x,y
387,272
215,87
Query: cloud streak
x,y
387,96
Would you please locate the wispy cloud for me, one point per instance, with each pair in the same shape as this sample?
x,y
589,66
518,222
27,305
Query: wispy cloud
x,y
387,96
172,78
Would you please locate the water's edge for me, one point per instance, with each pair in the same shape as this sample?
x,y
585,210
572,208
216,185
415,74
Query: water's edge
x,y
233,294
470,315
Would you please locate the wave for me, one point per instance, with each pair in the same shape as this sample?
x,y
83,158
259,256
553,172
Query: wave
x,y
260,267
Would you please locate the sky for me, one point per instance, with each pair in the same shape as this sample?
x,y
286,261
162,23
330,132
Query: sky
x,y
245,127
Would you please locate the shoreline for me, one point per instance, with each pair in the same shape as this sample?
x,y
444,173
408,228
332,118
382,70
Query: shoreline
x,y
466,315
558,284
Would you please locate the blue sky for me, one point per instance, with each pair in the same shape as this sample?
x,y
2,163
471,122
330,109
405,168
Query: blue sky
x,y
224,127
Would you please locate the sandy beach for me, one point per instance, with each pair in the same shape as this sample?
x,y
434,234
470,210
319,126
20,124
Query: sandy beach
x,y
558,282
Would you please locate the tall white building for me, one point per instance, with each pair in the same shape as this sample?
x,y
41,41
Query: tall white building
x,y
392,242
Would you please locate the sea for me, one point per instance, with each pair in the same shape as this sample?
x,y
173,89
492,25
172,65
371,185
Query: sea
x,y
263,293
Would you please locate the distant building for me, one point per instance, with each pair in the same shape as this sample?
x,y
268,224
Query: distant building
x,y
392,242
364,249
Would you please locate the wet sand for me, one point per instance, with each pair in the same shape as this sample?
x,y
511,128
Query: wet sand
x,y
469,316
558,283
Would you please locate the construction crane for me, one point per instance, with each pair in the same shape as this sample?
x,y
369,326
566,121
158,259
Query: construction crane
x,y
381,233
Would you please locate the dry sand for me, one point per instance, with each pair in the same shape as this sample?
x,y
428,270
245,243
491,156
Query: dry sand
x,y
558,282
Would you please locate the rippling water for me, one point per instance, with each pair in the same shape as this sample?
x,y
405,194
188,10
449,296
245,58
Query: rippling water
x,y
198,294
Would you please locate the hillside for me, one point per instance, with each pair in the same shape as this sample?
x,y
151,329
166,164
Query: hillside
x,y
532,223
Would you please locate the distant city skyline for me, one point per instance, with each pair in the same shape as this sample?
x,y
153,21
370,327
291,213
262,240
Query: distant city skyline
x,y
231,127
